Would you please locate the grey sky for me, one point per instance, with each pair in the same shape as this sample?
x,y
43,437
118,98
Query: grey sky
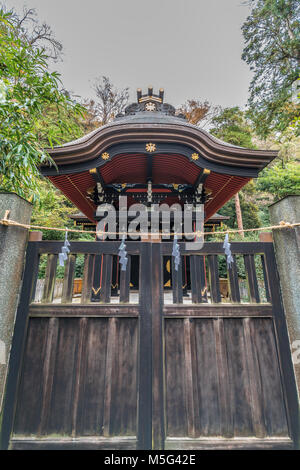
x,y
191,48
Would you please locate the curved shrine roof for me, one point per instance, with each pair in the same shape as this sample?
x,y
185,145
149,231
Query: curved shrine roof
x,y
150,131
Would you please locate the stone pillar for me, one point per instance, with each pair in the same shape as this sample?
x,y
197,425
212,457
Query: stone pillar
x,y
287,251
13,241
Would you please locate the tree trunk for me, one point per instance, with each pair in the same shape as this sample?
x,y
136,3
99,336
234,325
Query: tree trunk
x,y
239,214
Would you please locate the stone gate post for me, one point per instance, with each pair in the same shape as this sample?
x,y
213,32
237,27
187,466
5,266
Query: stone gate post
x,y
287,251
13,242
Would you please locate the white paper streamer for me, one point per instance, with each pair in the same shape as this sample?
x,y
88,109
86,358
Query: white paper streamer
x,y
226,246
63,256
123,255
176,253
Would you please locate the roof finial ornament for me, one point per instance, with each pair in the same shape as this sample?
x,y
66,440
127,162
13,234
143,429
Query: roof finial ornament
x,y
150,102
150,96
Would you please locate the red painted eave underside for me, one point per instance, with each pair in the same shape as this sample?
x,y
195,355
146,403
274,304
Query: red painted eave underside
x,y
133,169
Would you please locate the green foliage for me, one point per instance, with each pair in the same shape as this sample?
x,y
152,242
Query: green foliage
x,y
249,210
280,180
230,125
59,124
54,210
272,50
60,271
79,266
27,88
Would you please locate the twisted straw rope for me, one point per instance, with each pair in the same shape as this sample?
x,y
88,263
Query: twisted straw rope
x,y
7,222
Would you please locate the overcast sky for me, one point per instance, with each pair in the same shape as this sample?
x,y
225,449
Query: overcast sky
x,y
191,48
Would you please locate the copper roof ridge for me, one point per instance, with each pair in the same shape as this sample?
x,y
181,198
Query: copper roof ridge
x,y
89,135
86,141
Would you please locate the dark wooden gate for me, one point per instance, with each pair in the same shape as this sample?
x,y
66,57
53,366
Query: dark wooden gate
x,y
194,367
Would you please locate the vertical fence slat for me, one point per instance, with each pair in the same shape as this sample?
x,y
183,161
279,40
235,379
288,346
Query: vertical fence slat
x,y
266,283
125,282
35,280
115,281
202,272
177,282
106,279
195,277
50,279
69,275
214,278
234,282
251,278
87,279
96,286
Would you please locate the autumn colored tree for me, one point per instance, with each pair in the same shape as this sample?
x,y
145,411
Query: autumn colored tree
x,y
198,112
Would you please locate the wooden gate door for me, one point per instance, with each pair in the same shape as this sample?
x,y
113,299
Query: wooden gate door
x,y
227,374
80,377
143,367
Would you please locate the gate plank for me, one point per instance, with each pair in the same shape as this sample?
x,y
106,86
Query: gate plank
x,y
30,390
207,378
145,349
67,292
223,379
262,334
90,411
97,275
263,263
79,372
195,279
48,374
234,282
88,269
251,278
214,278
254,383
120,393
105,291
125,282
50,277
124,395
158,437
64,378
177,282
111,345
238,378
176,414
190,392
